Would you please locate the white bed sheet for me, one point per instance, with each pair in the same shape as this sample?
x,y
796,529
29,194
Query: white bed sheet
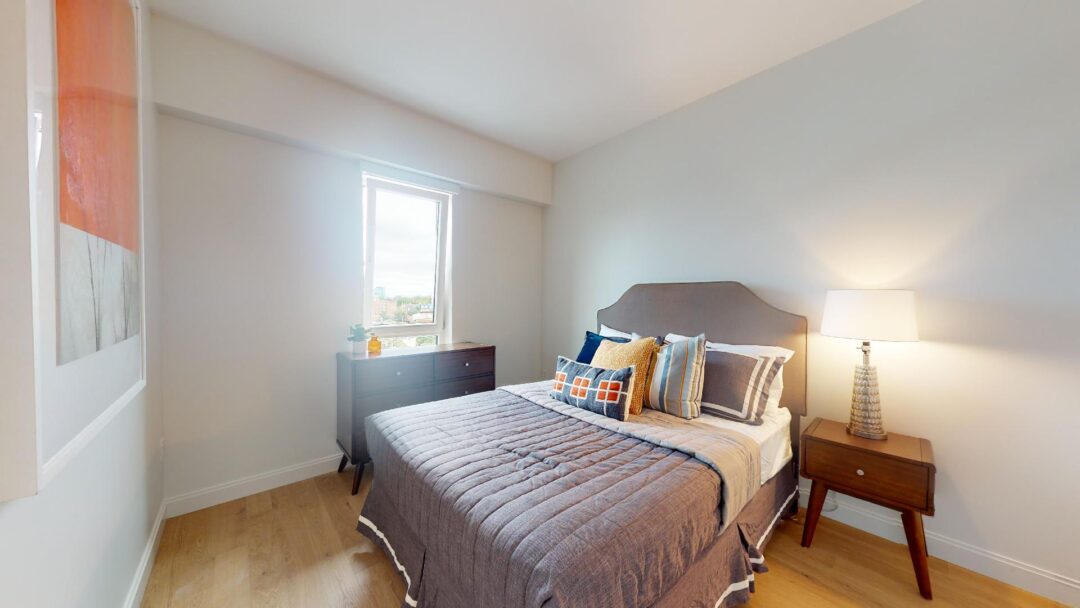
x,y
772,436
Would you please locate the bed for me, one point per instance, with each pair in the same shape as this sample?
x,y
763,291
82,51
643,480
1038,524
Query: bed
x,y
510,498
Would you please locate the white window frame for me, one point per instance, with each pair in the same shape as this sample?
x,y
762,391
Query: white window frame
x,y
371,184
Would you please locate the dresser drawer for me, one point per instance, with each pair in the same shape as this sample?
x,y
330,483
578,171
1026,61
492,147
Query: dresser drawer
x,y
873,476
395,372
374,404
464,363
468,386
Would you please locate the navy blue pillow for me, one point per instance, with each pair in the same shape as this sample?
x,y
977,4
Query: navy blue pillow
x,y
592,342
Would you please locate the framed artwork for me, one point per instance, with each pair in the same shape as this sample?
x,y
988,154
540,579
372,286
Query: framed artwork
x,y
98,229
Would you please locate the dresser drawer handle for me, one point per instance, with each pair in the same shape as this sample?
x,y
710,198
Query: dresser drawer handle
x,y
466,364
466,392
860,472
397,373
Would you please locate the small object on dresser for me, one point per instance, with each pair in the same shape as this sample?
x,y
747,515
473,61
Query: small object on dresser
x,y
374,347
865,315
897,473
357,337
372,383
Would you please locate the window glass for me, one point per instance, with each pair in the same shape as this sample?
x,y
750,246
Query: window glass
x,y
405,265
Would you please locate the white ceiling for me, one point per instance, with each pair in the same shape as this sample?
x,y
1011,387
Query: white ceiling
x,y
552,77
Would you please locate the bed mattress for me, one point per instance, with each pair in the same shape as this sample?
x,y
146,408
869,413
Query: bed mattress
x,y
773,437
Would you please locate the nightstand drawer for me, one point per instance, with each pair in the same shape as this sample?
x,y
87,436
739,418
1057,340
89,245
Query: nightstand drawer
x,y
871,475
394,372
465,363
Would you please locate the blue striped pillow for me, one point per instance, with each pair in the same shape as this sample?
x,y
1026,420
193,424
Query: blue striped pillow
x,y
677,378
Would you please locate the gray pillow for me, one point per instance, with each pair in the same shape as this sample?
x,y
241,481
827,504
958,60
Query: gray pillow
x,y
737,386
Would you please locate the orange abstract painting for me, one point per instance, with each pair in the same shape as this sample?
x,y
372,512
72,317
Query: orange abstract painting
x,y
98,115
98,233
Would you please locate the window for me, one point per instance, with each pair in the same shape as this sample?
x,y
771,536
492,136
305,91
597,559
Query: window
x,y
405,294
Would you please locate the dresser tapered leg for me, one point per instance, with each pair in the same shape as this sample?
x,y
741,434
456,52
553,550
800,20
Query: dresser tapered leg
x,y
344,461
357,476
813,511
916,540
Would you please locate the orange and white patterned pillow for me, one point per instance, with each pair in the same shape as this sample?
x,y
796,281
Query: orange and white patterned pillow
x,y
601,391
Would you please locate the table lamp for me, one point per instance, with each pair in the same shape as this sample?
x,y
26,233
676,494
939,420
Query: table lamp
x,y
865,315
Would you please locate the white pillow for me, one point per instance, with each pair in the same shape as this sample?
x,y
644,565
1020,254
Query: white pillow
x,y
752,350
608,332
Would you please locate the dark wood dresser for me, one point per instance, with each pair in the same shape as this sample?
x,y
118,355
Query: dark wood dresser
x,y
368,384
897,472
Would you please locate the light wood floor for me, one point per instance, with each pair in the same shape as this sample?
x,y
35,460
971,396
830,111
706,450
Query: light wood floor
x,y
298,546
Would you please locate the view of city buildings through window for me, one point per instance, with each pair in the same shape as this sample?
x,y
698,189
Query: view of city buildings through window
x,y
401,310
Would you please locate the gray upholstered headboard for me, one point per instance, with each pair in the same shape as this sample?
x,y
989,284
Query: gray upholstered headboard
x,y
724,311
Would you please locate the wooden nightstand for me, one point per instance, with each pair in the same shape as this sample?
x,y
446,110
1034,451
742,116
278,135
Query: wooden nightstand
x,y
897,473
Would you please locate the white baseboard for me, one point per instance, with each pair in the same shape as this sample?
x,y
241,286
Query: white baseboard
x,y
142,573
246,486
1038,580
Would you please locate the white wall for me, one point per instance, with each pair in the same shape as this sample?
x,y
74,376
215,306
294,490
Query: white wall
x,y
216,79
80,541
85,538
496,281
260,192
260,241
18,433
937,150
262,269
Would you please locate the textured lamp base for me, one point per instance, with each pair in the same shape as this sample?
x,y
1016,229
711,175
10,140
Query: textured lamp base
x,y
865,420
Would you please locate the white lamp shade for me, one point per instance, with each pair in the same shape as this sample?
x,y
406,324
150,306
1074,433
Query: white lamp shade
x,y
870,314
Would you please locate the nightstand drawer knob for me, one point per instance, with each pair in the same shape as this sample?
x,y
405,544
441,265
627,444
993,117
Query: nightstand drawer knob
x,y
466,364
860,472
397,373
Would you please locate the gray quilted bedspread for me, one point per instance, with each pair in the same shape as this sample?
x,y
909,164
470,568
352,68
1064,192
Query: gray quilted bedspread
x,y
524,501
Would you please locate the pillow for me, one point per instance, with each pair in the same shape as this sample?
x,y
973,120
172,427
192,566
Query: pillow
x,y
754,350
637,354
677,378
608,332
637,336
601,391
738,386
592,342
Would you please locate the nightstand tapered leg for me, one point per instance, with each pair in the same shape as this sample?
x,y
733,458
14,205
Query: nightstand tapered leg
x,y
813,511
344,461
916,541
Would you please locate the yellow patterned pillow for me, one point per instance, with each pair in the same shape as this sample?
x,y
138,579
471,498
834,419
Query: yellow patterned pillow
x,y
639,353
